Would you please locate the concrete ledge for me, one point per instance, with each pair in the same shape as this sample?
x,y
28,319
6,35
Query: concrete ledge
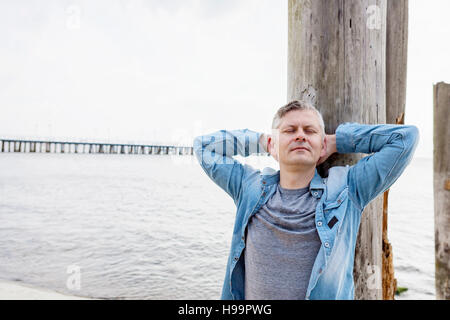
x,y
10,290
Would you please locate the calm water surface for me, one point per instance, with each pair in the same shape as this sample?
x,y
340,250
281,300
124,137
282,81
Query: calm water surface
x,y
156,227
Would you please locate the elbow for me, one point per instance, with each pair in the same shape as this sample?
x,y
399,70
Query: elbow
x,y
413,137
197,142
411,140
197,147
203,149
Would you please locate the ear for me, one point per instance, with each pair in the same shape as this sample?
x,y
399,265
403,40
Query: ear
x,y
272,148
269,144
323,151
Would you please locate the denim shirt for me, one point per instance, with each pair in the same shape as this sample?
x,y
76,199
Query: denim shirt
x,y
343,196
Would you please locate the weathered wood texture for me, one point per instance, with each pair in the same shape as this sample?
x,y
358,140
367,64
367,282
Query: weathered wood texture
x,y
396,71
389,283
396,58
336,58
441,183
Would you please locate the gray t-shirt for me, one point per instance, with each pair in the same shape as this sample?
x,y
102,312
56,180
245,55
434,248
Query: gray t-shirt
x,y
281,246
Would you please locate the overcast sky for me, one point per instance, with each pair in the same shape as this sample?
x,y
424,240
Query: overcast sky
x,y
165,71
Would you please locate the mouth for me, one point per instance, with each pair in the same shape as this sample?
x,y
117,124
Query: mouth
x,y
300,148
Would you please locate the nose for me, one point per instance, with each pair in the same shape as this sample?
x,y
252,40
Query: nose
x,y
300,137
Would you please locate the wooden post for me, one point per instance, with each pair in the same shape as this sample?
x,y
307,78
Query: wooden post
x,y
396,69
336,59
441,184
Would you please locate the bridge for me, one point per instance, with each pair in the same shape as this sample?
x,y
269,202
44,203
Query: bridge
x,y
39,146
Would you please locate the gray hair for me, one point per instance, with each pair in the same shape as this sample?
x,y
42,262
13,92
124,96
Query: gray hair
x,y
297,105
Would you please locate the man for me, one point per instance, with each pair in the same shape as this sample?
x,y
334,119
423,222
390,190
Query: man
x,y
295,232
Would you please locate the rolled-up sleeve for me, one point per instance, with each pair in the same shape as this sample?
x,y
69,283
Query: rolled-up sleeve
x,y
215,153
391,148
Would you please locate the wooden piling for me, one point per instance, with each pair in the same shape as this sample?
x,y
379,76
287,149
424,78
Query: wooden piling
x,y
441,184
396,70
336,60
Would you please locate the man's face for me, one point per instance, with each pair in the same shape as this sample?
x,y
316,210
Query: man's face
x,y
298,140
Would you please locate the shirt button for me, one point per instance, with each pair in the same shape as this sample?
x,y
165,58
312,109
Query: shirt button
x,y
327,245
319,223
264,182
242,237
339,201
236,258
315,193
264,193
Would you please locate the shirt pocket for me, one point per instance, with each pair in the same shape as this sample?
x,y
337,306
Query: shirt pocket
x,y
334,210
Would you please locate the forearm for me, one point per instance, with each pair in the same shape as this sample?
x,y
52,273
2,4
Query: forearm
x,y
391,148
331,143
215,153
263,141
226,144
367,138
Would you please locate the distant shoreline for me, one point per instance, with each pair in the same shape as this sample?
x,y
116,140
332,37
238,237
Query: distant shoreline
x,y
11,290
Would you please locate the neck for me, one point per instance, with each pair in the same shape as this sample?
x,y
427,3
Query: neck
x,y
296,178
